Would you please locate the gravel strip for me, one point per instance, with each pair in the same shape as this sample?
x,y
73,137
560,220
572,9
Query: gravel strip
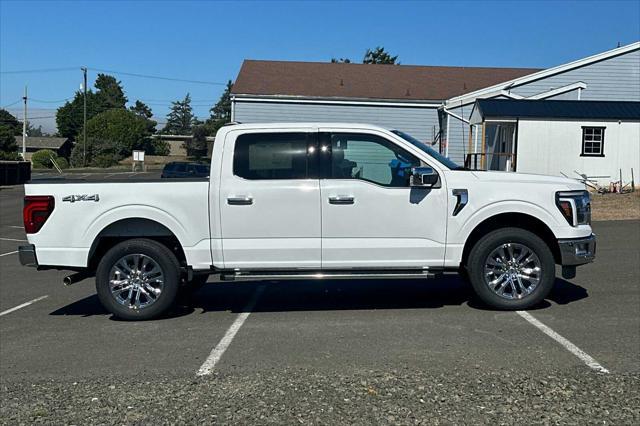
x,y
311,397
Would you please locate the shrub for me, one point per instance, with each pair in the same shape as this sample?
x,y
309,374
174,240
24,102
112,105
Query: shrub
x,y
10,156
159,147
104,160
42,159
62,163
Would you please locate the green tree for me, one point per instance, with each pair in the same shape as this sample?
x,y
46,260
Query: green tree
x,y
340,61
10,127
180,120
114,134
69,117
110,93
8,145
379,56
141,109
34,131
220,112
8,120
197,146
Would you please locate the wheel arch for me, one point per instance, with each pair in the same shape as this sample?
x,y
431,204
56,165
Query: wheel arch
x,y
129,228
512,220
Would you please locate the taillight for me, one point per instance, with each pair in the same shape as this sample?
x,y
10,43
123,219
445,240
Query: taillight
x,y
37,209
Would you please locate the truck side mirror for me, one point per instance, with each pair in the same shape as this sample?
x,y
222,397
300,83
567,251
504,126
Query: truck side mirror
x,y
423,177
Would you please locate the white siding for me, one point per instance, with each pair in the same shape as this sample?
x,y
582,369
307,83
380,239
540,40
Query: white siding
x,y
418,122
614,79
551,147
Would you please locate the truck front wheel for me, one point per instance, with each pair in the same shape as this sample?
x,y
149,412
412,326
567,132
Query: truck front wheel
x,y
511,269
138,279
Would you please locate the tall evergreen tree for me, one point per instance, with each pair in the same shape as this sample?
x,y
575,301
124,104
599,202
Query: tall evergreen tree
x,y
8,120
379,56
141,109
220,112
180,120
10,127
110,94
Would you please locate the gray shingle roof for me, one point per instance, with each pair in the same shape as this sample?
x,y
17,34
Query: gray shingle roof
x,y
42,142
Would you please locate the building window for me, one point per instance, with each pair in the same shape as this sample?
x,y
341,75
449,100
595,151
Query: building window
x,y
592,142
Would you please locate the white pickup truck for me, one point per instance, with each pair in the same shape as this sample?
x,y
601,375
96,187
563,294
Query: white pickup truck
x,y
310,201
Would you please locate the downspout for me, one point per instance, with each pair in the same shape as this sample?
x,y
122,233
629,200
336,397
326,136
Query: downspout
x,y
446,148
233,109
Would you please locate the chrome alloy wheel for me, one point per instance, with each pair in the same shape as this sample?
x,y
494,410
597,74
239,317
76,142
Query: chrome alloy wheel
x,y
136,281
512,271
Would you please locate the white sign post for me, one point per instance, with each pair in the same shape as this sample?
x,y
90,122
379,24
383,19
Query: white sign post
x,y
138,158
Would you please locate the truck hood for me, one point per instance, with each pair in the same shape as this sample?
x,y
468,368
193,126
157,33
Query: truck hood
x,y
508,177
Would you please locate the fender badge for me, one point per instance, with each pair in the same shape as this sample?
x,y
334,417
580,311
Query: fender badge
x,y
84,197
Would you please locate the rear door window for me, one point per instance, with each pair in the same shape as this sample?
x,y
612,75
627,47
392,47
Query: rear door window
x,y
275,156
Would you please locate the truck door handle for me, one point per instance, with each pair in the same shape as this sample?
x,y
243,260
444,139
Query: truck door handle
x,y
341,199
242,200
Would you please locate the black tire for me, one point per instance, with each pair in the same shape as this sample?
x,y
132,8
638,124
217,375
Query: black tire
x,y
516,236
159,254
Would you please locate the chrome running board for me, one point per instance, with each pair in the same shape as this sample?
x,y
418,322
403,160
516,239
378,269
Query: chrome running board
x,y
325,275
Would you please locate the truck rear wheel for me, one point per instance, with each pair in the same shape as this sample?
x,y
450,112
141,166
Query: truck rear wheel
x,y
511,269
138,279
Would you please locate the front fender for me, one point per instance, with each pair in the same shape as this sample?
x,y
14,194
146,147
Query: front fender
x,y
475,217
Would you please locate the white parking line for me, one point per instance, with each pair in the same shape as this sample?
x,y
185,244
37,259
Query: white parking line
x,y
583,356
207,367
10,239
30,302
15,226
7,254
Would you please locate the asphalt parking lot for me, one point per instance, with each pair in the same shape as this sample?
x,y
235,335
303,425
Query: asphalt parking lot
x,y
362,352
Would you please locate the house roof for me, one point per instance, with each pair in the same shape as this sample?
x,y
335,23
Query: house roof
x,y
470,96
525,108
42,142
365,81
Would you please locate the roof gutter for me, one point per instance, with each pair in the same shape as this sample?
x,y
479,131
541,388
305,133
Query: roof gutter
x,y
303,100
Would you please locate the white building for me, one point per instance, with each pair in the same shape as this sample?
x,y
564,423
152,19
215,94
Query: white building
x,y
598,138
432,103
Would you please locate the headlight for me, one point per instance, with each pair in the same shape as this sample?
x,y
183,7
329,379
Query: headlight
x,y
575,206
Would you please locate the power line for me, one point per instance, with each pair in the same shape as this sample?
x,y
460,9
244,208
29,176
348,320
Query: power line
x,y
29,118
49,102
157,77
39,70
11,104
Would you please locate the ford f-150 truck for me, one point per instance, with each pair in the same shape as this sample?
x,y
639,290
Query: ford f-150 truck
x,y
310,201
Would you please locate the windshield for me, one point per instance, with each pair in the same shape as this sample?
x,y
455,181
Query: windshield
x,y
426,148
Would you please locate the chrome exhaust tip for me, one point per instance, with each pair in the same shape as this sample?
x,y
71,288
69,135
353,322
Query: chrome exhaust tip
x,y
74,278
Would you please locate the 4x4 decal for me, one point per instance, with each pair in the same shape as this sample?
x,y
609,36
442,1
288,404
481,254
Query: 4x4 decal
x,y
84,197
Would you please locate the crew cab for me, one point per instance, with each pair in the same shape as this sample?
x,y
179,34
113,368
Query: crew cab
x,y
312,201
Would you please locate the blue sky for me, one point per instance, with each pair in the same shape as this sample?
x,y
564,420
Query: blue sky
x,y
208,40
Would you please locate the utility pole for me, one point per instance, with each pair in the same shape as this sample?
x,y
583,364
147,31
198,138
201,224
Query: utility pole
x,y
24,126
84,132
